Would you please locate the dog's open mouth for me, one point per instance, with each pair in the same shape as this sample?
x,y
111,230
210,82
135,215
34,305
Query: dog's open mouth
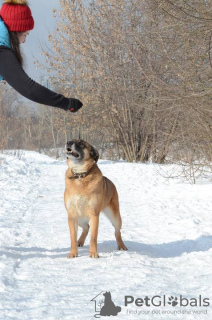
x,y
69,151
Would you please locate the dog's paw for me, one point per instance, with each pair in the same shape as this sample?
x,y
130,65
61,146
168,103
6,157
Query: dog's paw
x,y
80,243
94,255
122,247
72,255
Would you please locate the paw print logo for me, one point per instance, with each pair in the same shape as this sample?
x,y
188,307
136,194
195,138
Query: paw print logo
x,y
173,301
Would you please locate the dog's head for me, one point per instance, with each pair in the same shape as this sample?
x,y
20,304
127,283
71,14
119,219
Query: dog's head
x,y
80,151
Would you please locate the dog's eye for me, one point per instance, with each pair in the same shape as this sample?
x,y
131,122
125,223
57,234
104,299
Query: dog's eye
x,y
81,144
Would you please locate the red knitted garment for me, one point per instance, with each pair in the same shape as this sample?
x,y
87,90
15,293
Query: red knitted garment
x,y
17,15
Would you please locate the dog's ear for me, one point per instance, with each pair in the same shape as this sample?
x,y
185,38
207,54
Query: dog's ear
x,y
94,154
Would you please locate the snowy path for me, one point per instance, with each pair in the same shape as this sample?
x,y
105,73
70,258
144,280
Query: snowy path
x,y
167,227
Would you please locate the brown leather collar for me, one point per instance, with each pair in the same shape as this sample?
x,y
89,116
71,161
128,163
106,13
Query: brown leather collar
x,y
80,175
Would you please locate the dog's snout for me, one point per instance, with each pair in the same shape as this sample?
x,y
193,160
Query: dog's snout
x,y
68,146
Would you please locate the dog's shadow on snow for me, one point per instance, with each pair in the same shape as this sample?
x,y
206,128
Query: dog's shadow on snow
x,y
164,250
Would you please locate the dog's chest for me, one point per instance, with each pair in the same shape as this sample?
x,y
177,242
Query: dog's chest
x,y
78,204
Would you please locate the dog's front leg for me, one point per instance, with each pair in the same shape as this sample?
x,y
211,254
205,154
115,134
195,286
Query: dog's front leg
x,y
94,224
73,226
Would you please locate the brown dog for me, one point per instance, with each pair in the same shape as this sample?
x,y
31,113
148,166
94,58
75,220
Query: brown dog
x,y
88,193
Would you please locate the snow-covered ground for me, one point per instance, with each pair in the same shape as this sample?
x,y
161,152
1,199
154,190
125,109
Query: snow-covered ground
x,y
167,227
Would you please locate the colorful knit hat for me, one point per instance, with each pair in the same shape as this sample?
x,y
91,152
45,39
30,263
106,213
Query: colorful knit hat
x,y
17,15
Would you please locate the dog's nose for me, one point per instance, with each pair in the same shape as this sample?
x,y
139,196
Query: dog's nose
x,y
69,143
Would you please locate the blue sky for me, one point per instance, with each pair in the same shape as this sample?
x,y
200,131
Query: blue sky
x,y
44,24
